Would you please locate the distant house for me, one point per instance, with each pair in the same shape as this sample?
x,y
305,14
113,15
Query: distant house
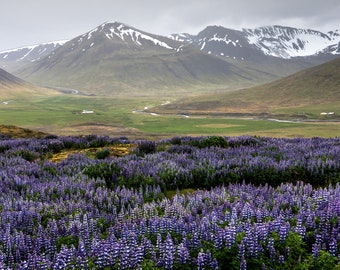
x,y
86,112
327,113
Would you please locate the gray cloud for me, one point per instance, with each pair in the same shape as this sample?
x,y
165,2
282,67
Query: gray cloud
x,y
25,22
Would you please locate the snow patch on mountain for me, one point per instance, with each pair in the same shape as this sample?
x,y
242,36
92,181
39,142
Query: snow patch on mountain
x,y
277,41
137,37
182,37
224,39
53,43
287,42
127,34
334,34
32,52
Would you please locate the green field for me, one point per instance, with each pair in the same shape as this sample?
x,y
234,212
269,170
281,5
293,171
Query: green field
x,y
61,115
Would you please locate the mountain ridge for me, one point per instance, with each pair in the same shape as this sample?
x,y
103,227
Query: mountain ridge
x,y
255,37
309,88
27,54
114,57
7,79
14,87
274,40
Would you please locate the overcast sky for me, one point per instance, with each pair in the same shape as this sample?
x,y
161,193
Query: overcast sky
x,y
28,22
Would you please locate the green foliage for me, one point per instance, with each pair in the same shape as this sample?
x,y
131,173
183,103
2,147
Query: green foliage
x,y
325,261
45,218
149,265
67,241
298,253
211,141
55,146
3,148
107,171
27,155
102,154
96,141
227,258
176,140
50,170
146,147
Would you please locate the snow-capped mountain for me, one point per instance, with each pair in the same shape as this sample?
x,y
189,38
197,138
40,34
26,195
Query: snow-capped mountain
x,y
121,36
115,56
30,53
220,41
134,37
278,41
334,48
288,42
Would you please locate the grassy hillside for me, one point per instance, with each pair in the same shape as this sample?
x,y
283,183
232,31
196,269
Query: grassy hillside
x,y
12,87
147,74
312,91
18,132
101,63
125,115
61,115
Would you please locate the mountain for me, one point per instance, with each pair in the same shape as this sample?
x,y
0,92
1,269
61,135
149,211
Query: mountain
x,y
316,87
8,80
11,59
222,42
9,131
115,57
277,41
14,87
333,48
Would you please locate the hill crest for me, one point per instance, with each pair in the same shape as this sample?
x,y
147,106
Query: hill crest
x,y
14,87
313,87
113,58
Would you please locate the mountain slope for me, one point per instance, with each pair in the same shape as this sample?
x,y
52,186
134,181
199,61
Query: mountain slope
x,y
8,80
11,59
315,86
277,41
9,131
13,87
222,42
115,57
287,42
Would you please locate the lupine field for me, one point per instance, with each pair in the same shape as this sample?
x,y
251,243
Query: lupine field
x,y
181,203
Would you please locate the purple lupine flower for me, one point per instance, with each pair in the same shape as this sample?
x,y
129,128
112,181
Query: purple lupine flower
x,y
241,249
169,252
243,264
271,248
139,255
182,253
281,259
315,250
230,236
333,247
218,239
124,262
214,264
200,260
284,231
300,229
194,241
